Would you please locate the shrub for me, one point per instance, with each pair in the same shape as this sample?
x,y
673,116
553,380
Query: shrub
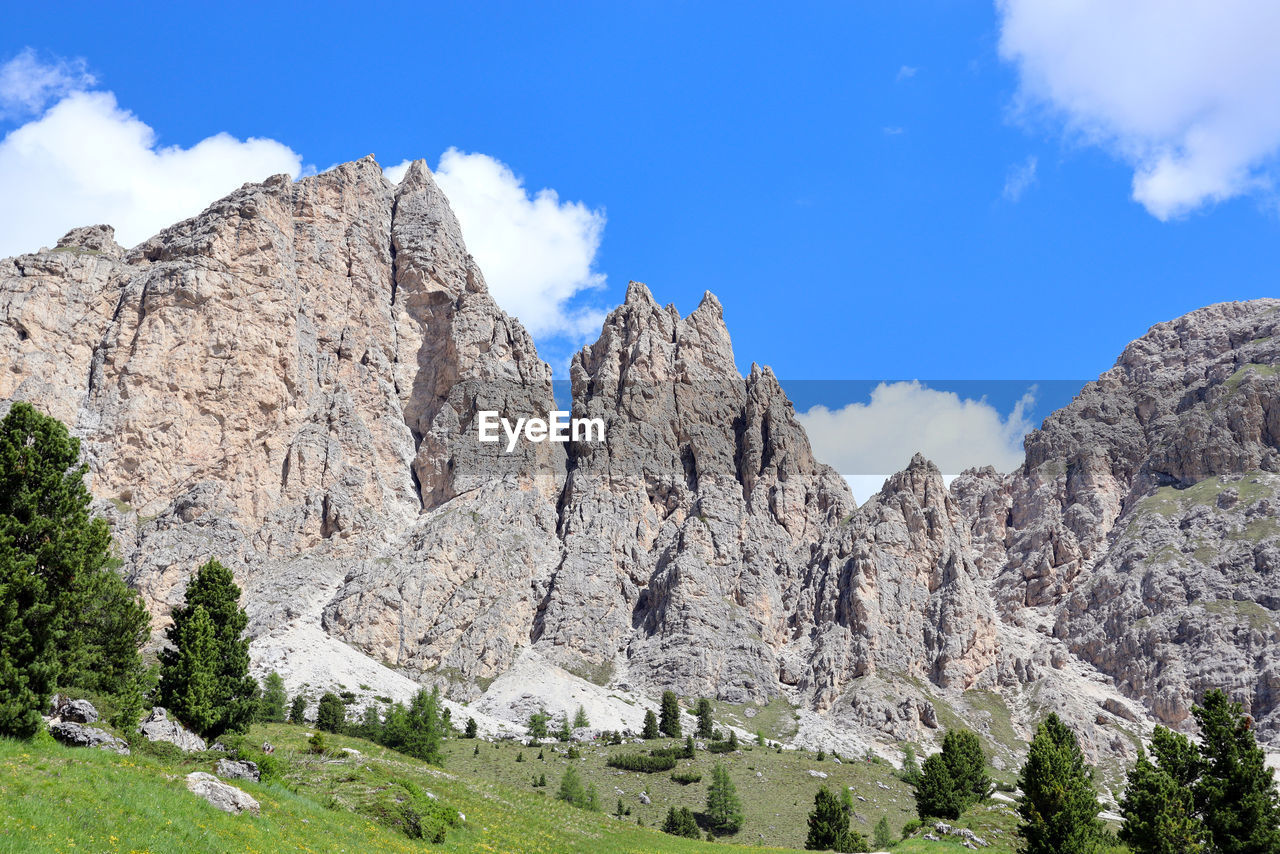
x,y
641,762
684,778
680,822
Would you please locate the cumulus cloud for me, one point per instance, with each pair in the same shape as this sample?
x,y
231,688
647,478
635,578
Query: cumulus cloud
x,y
1021,176
27,83
85,160
866,442
537,252
1187,91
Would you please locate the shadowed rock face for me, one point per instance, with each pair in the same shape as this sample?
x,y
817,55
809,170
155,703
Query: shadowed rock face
x,y
291,382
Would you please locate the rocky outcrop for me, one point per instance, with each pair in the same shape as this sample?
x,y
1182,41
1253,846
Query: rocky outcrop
x,y
229,799
238,769
79,735
157,726
76,711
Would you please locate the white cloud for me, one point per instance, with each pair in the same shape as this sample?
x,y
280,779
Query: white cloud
x,y
536,251
1021,176
87,161
906,72
868,441
1187,91
27,83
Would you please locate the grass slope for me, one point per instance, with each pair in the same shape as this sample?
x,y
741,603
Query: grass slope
x,y
54,798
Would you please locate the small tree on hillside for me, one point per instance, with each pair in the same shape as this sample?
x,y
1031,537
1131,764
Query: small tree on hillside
x,y
472,728
910,765
936,795
650,730
272,708
669,722
962,751
705,725
580,719
298,708
681,822
538,724
829,826
882,837
1159,813
425,727
232,692
1059,806
572,791
1236,792
724,809
331,716
563,731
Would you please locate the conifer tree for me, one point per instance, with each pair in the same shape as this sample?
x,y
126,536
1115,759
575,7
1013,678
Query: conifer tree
x,y
650,730
425,727
52,556
1236,792
272,708
724,809
580,719
298,708
1059,806
233,697
472,728
371,723
331,715
1159,813
563,732
681,822
669,722
936,795
705,725
538,724
962,751
910,765
571,790
828,824
882,836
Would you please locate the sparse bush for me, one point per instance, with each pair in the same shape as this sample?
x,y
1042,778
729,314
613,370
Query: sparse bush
x,y
685,778
641,762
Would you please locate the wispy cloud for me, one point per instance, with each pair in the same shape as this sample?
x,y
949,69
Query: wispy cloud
x,y
27,83
893,130
1020,178
906,72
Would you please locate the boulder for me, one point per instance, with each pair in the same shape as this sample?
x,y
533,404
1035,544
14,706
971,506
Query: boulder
x,y
77,711
226,798
241,769
79,735
158,727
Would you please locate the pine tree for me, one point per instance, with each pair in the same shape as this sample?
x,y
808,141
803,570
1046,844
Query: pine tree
x,y
1236,792
910,766
331,716
681,822
962,751
538,724
571,790
1159,813
650,730
425,727
371,723
234,695
272,708
104,625
51,551
194,697
563,732
705,724
298,709
829,825
580,719
724,809
1059,807
395,727
936,795
472,728
882,837
669,722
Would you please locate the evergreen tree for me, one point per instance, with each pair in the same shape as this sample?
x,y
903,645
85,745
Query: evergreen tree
x,y
425,727
563,732
580,719
103,628
705,724
538,724
593,799
1236,792
395,727
50,551
936,795
1059,807
829,825
688,748
1159,813
962,751
681,822
193,697
724,809
650,730
371,723
272,708
882,837
233,693
910,766
669,722
298,709
331,716
571,790
472,728
759,738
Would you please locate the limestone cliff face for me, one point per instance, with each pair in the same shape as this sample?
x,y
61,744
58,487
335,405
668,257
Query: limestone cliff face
x,y
1141,529
291,382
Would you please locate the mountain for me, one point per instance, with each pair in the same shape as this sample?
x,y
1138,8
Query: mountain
x,y
292,381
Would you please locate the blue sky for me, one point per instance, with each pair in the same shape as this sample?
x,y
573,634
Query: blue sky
x,y
874,191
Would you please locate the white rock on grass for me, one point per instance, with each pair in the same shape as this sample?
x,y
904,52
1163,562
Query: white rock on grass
x,y
229,799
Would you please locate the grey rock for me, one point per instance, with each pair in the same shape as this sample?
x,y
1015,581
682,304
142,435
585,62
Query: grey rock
x,y
78,711
227,798
238,769
78,735
157,726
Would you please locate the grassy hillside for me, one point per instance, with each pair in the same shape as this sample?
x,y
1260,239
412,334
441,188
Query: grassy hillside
x,y
54,798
